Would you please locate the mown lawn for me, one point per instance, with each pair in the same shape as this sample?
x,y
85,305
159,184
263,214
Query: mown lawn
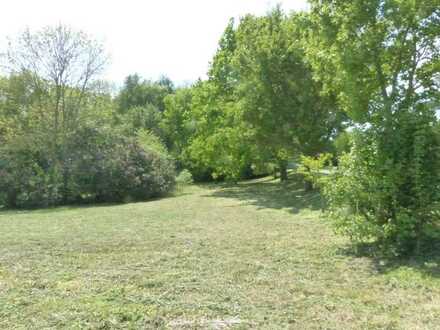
x,y
256,255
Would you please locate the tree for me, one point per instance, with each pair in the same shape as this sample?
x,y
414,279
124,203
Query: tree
x,y
146,117
378,55
138,92
167,83
222,72
59,141
178,124
280,101
381,57
220,143
68,60
141,104
60,66
260,104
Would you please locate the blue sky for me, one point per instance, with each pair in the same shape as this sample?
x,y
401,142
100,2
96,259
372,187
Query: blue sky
x,y
172,37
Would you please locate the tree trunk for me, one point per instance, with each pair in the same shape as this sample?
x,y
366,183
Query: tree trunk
x,y
308,186
65,193
283,170
64,167
11,198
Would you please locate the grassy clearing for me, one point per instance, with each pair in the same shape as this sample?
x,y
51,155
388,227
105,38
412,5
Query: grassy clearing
x,y
256,255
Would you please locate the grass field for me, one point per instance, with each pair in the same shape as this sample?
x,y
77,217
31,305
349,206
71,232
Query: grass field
x,y
254,255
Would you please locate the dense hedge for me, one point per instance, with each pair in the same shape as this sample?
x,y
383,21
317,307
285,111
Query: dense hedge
x,y
93,165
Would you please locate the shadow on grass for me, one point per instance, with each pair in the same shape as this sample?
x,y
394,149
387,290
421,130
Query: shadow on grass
x,y
269,193
426,261
55,209
82,206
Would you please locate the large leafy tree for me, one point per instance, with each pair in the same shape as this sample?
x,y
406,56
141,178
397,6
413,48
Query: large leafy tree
x,y
278,97
260,104
221,141
381,57
178,123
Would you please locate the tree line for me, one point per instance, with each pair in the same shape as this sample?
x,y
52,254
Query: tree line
x,y
350,84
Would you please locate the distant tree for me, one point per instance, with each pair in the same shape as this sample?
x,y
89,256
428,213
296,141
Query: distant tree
x,y
279,98
222,71
141,104
260,104
220,142
68,60
138,92
167,83
146,117
178,123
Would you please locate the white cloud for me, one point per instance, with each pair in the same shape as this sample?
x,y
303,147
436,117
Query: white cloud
x,y
172,37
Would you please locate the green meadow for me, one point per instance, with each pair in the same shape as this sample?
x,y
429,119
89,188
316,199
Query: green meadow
x,y
254,255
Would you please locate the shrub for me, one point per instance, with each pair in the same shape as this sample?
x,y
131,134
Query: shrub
x,y
148,140
114,168
140,174
387,188
94,164
342,143
184,178
28,175
311,168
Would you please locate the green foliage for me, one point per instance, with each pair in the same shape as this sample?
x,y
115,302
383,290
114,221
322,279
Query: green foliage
x,y
141,105
136,174
219,143
26,177
342,143
142,118
279,99
88,160
311,168
381,59
116,168
259,107
391,198
103,167
375,55
184,178
149,141
138,92
178,124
